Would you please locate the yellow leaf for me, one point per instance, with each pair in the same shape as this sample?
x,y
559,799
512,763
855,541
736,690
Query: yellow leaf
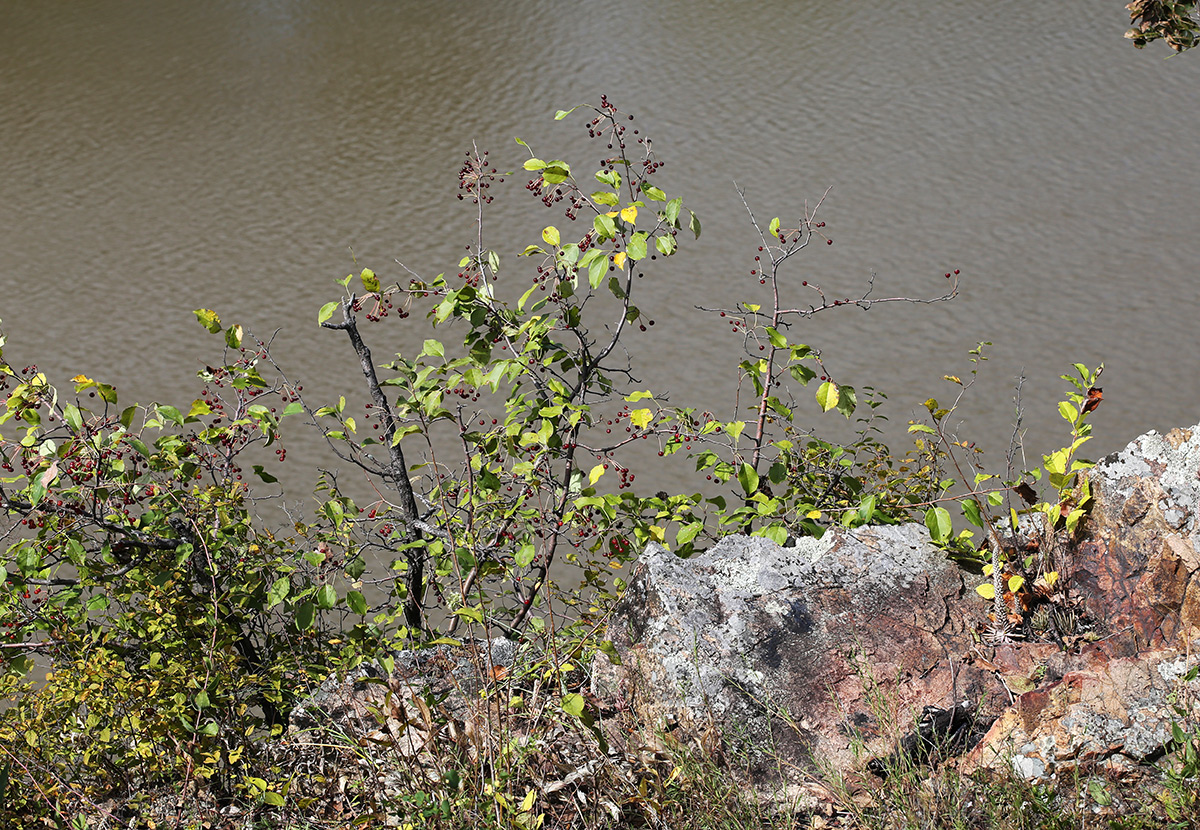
x,y
1015,583
987,569
527,802
629,214
640,417
595,474
82,379
1049,578
619,260
813,514
986,590
658,533
952,379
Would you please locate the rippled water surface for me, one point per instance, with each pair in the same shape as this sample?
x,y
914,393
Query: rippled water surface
x,y
162,157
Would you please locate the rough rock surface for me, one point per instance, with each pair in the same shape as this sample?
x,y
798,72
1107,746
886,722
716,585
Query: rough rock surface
x,y
825,653
1137,572
798,653
794,653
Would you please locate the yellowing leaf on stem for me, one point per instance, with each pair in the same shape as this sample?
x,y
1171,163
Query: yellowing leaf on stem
x,y
629,214
827,396
986,590
1015,582
640,417
370,282
551,236
209,319
619,260
595,473
1047,579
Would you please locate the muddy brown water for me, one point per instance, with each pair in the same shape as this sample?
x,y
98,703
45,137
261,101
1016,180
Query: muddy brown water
x,y
162,157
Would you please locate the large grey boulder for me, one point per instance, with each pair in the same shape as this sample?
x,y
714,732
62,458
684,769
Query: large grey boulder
x,y
803,657
826,654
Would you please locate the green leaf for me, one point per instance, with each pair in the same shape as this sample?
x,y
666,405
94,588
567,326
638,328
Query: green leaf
x,y
273,799
73,417
357,602
748,478
401,432
171,414
866,509
777,339
561,114
694,224
370,282
671,211
233,337
604,197
636,249
573,704
665,244
606,226
970,509
827,396
305,615
209,319
202,701
261,472
773,228
326,597
846,400
688,532
607,648
937,520
653,193
524,555
556,172
326,312
535,164
279,591
802,373
434,348
596,271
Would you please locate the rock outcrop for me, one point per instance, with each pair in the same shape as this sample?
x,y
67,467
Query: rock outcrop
x,y
797,655
1137,573
832,653
852,652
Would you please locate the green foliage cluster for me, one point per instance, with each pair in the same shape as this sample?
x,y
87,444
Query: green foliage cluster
x,y
1175,23
152,630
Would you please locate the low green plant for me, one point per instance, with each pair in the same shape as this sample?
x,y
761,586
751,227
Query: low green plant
x,y
1019,581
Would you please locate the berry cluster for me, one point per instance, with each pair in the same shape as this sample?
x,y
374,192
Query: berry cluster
x,y
475,177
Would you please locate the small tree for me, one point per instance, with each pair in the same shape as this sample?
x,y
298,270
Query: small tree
x,y
540,398
180,631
